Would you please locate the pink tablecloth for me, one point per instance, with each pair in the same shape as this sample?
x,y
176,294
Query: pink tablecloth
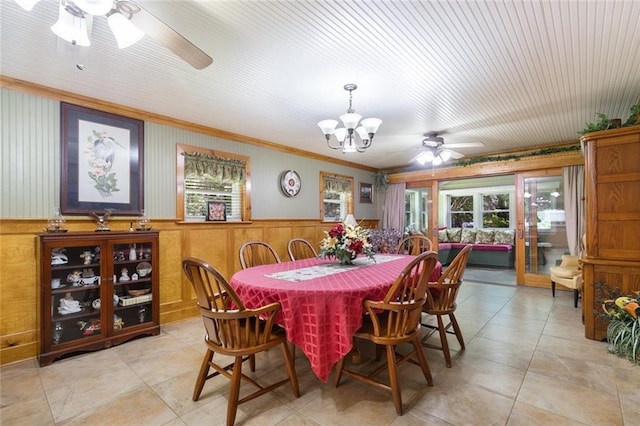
x,y
320,315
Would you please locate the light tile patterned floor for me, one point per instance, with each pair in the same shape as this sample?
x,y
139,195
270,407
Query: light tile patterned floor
x,y
526,363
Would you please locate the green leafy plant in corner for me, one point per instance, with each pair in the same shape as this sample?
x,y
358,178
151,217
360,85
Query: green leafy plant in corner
x,y
380,181
605,123
623,313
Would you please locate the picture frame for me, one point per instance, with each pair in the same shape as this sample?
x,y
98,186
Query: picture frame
x,y
216,211
101,162
366,193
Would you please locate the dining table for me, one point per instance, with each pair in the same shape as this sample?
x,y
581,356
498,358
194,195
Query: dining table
x,y
321,300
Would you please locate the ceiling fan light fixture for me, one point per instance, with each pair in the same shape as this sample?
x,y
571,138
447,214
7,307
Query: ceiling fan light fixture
x,y
71,27
125,32
424,157
95,7
445,155
27,4
348,135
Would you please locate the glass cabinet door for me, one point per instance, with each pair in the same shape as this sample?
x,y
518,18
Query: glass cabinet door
x,y
132,274
73,282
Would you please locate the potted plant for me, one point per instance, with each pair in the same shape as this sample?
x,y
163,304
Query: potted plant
x,y
623,331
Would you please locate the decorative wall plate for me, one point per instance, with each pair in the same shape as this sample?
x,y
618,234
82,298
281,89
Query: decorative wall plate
x,y
290,183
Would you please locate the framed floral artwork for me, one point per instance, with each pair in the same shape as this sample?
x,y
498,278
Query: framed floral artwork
x,y
102,162
216,211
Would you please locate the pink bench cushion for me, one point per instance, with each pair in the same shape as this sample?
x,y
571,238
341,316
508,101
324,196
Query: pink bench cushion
x,y
484,247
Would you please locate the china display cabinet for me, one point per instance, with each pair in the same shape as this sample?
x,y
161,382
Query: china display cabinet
x,y
97,289
612,261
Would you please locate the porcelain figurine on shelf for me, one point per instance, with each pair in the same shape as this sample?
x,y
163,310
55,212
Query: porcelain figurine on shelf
x,y
87,256
68,305
58,257
124,275
75,278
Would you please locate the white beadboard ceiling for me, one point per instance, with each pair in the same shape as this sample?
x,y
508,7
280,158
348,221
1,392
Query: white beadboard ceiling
x,y
511,74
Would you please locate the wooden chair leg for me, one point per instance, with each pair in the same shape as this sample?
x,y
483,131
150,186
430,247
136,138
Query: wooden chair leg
x,y
394,383
291,372
234,391
202,375
553,289
457,330
339,366
422,361
443,341
575,297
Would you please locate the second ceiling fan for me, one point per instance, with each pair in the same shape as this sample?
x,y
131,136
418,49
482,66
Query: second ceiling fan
x,y
436,152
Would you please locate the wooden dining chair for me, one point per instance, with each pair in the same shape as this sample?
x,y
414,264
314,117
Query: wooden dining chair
x,y
254,253
441,302
232,330
414,245
299,248
393,321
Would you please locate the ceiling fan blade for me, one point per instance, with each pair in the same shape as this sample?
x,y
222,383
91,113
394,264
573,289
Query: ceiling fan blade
x,y
165,35
463,145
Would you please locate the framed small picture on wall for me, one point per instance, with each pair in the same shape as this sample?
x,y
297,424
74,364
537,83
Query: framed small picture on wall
x,y
216,211
366,193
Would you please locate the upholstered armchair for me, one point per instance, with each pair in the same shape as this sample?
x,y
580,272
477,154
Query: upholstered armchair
x,y
567,274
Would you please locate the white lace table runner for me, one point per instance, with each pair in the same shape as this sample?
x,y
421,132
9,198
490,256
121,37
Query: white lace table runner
x,y
326,269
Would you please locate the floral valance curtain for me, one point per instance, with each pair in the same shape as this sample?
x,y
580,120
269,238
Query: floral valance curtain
x,y
337,184
227,169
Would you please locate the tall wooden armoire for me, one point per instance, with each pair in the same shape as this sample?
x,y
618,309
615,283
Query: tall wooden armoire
x,y
612,261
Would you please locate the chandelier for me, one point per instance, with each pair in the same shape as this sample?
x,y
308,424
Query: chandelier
x,y
346,136
72,23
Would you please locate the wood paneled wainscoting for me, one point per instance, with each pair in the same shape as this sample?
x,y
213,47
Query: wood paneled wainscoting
x,y
217,243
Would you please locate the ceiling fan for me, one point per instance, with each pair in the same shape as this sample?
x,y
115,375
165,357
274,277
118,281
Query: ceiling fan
x,y
436,152
128,22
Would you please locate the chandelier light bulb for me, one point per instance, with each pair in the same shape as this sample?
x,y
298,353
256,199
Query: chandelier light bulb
x,y
340,134
350,120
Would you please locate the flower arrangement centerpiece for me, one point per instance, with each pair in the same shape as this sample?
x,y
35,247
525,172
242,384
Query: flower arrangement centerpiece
x,y
344,242
623,331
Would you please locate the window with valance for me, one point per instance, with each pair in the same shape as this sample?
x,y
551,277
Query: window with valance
x,y
336,196
206,176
